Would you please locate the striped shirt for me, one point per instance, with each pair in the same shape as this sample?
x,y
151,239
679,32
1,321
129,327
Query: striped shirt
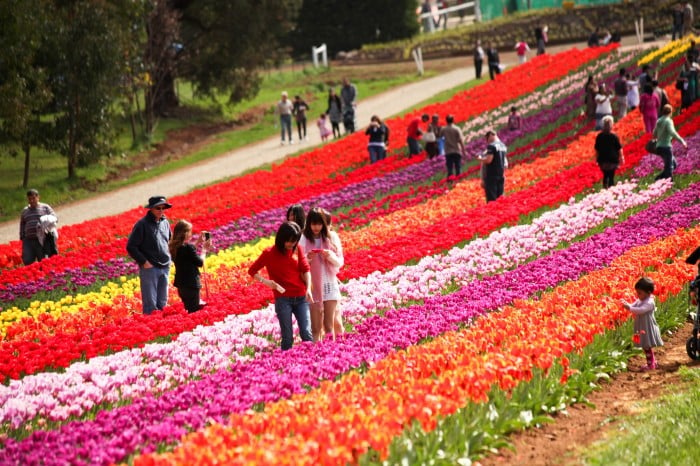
x,y
29,220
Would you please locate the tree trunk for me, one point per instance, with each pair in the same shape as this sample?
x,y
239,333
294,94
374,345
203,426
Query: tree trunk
x,y
164,95
162,30
27,149
72,138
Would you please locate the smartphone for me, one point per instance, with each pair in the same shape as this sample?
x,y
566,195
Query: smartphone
x,y
207,235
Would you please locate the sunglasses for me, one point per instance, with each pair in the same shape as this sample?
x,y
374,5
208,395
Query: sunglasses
x,y
159,208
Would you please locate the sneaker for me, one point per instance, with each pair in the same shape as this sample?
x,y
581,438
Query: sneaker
x,y
282,143
291,141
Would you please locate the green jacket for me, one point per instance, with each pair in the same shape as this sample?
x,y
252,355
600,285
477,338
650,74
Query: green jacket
x,y
665,131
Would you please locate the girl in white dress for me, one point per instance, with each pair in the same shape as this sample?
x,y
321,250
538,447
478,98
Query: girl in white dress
x,y
325,255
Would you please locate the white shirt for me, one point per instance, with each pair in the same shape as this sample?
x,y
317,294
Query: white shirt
x,y
603,105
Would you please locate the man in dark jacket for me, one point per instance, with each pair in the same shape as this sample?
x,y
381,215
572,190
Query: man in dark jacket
x,y
493,165
148,246
494,60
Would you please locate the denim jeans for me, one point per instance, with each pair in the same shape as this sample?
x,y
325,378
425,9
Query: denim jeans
x,y
413,146
375,153
667,154
286,125
284,308
154,288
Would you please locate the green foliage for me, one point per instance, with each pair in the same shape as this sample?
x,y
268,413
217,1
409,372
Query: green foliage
x,y
23,82
225,42
665,433
349,25
83,57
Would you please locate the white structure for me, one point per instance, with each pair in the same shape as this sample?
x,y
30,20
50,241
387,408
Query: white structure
x,y
639,29
418,57
316,51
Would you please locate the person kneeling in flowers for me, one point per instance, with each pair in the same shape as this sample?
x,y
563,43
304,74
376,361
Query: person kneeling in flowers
x,y
290,281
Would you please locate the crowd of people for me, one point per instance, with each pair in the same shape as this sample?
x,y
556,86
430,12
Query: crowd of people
x,y
603,104
522,49
303,264
303,267
425,133
340,109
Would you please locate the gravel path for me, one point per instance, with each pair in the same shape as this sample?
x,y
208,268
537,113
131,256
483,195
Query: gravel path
x,y
235,162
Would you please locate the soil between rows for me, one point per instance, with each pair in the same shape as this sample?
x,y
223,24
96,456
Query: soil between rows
x,y
564,441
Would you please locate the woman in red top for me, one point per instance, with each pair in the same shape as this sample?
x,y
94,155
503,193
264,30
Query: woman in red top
x,y
290,281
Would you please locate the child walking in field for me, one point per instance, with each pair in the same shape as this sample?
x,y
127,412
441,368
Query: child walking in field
x,y
646,330
322,124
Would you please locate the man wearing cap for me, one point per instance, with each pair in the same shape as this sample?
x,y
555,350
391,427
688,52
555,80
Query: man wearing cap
x,y
30,228
148,246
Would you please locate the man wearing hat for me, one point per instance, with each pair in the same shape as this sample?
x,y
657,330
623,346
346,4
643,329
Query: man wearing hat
x,y
148,246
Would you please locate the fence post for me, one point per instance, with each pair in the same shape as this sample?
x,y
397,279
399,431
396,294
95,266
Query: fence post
x,y
639,29
418,58
315,51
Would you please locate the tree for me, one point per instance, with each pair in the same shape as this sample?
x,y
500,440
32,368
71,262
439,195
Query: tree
x,y
85,60
161,51
217,45
24,92
349,25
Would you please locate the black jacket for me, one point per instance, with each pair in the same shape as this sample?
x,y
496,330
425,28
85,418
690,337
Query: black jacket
x,y
187,264
148,241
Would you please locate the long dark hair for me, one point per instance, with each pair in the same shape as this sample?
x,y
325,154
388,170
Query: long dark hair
x,y
286,232
297,213
179,236
316,216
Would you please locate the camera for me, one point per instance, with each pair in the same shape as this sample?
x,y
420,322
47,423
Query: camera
x,y
207,235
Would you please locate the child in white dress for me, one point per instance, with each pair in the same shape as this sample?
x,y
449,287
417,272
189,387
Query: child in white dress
x,y
322,124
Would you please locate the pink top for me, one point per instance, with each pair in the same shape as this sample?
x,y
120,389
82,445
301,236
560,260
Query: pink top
x,y
649,105
323,269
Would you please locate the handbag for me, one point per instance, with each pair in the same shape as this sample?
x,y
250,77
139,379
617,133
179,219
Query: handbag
x,y
429,137
651,147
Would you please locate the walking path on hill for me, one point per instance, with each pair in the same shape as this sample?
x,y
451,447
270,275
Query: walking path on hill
x,y
237,161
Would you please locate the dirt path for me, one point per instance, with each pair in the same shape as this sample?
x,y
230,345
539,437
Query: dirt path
x,y
563,441
235,162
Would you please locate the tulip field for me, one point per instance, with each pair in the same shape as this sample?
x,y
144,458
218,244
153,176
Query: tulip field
x,y
465,321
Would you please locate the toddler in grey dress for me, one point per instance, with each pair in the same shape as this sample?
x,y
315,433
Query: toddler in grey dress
x,y
646,330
